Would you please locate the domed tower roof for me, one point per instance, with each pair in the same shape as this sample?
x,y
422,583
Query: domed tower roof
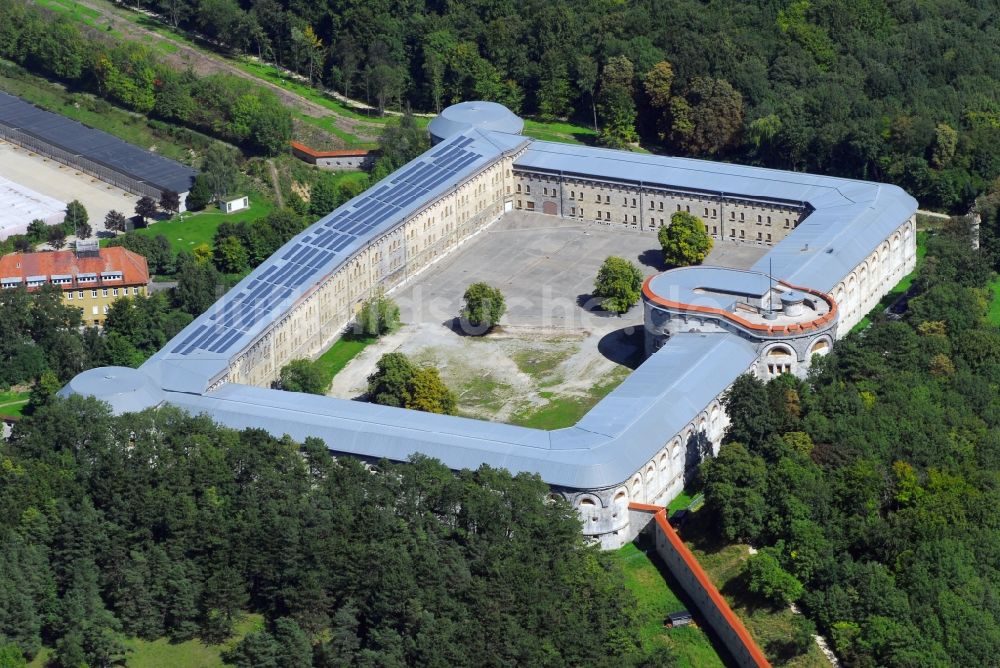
x,y
127,390
479,114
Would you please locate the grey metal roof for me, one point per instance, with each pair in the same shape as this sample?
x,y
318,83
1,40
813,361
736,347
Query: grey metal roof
x,y
849,218
202,350
615,439
476,114
126,390
717,287
100,147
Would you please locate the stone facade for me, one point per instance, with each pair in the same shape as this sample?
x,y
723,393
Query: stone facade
x,y
321,315
428,236
646,208
862,288
604,512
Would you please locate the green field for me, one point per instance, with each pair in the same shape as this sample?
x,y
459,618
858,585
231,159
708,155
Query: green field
x,y
340,353
329,124
164,654
647,578
993,315
79,14
566,410
12,403
194,229
900,288
559,131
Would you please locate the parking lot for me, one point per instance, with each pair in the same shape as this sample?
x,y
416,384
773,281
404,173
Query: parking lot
x,y
64,183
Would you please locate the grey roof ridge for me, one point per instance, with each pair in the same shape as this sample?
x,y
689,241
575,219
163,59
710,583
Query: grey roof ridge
x,y
456,419
722,338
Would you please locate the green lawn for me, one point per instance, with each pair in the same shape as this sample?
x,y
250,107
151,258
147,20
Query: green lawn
x,y
197,228
994,313
12,403
559,131
164,654
901,287
565,411
340,353
79,14
329,124
647,578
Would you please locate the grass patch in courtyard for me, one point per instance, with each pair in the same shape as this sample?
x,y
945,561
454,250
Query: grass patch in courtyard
x,y
483,394
900,288
340,354
566,410
540,363
647,578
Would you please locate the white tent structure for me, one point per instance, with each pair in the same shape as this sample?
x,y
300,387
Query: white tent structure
x,y
20,205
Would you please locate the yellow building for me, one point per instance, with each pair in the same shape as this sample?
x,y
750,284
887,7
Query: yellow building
x,y
90,278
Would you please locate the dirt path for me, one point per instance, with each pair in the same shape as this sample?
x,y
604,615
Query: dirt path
x,y
279,198
205,62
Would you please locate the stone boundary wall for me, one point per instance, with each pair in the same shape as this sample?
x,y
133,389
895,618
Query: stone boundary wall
x,y
695,582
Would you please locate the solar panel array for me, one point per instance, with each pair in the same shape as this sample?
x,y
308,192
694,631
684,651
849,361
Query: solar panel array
x,y
333,238
100,147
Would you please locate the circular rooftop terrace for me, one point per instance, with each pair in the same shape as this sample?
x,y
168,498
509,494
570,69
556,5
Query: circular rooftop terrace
x,y
753,301
475,114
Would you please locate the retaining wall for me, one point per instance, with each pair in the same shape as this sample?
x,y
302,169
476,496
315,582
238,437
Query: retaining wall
x,y
695,582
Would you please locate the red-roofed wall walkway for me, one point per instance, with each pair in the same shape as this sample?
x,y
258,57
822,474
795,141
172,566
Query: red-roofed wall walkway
x,y
694,580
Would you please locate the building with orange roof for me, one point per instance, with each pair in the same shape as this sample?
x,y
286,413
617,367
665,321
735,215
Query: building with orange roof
x,y
90,278
345,159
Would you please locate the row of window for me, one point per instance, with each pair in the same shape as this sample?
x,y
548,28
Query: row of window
x,y
652,204
114,292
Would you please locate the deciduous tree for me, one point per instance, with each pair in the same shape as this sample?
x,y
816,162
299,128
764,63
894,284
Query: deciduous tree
x,y
685,241
378,316
145,208
484,306
303,375
617,285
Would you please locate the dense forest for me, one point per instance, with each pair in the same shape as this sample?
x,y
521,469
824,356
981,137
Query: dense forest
x,y
129,74
873,488
903,91
161,524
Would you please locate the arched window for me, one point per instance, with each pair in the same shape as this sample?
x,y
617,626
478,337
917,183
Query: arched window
x,y
820,347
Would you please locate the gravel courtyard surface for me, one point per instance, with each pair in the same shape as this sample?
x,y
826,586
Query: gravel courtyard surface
x,y
553,345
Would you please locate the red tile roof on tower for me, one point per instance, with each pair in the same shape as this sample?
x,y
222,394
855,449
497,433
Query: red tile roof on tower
x,y
64,264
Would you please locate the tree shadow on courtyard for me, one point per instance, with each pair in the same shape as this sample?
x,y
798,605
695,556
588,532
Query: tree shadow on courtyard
x,y
625,346
592,304
653,258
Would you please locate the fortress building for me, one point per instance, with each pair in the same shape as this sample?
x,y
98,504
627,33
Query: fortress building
x,y
836,247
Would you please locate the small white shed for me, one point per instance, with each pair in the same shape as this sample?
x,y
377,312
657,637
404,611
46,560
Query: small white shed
x,y
234,204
